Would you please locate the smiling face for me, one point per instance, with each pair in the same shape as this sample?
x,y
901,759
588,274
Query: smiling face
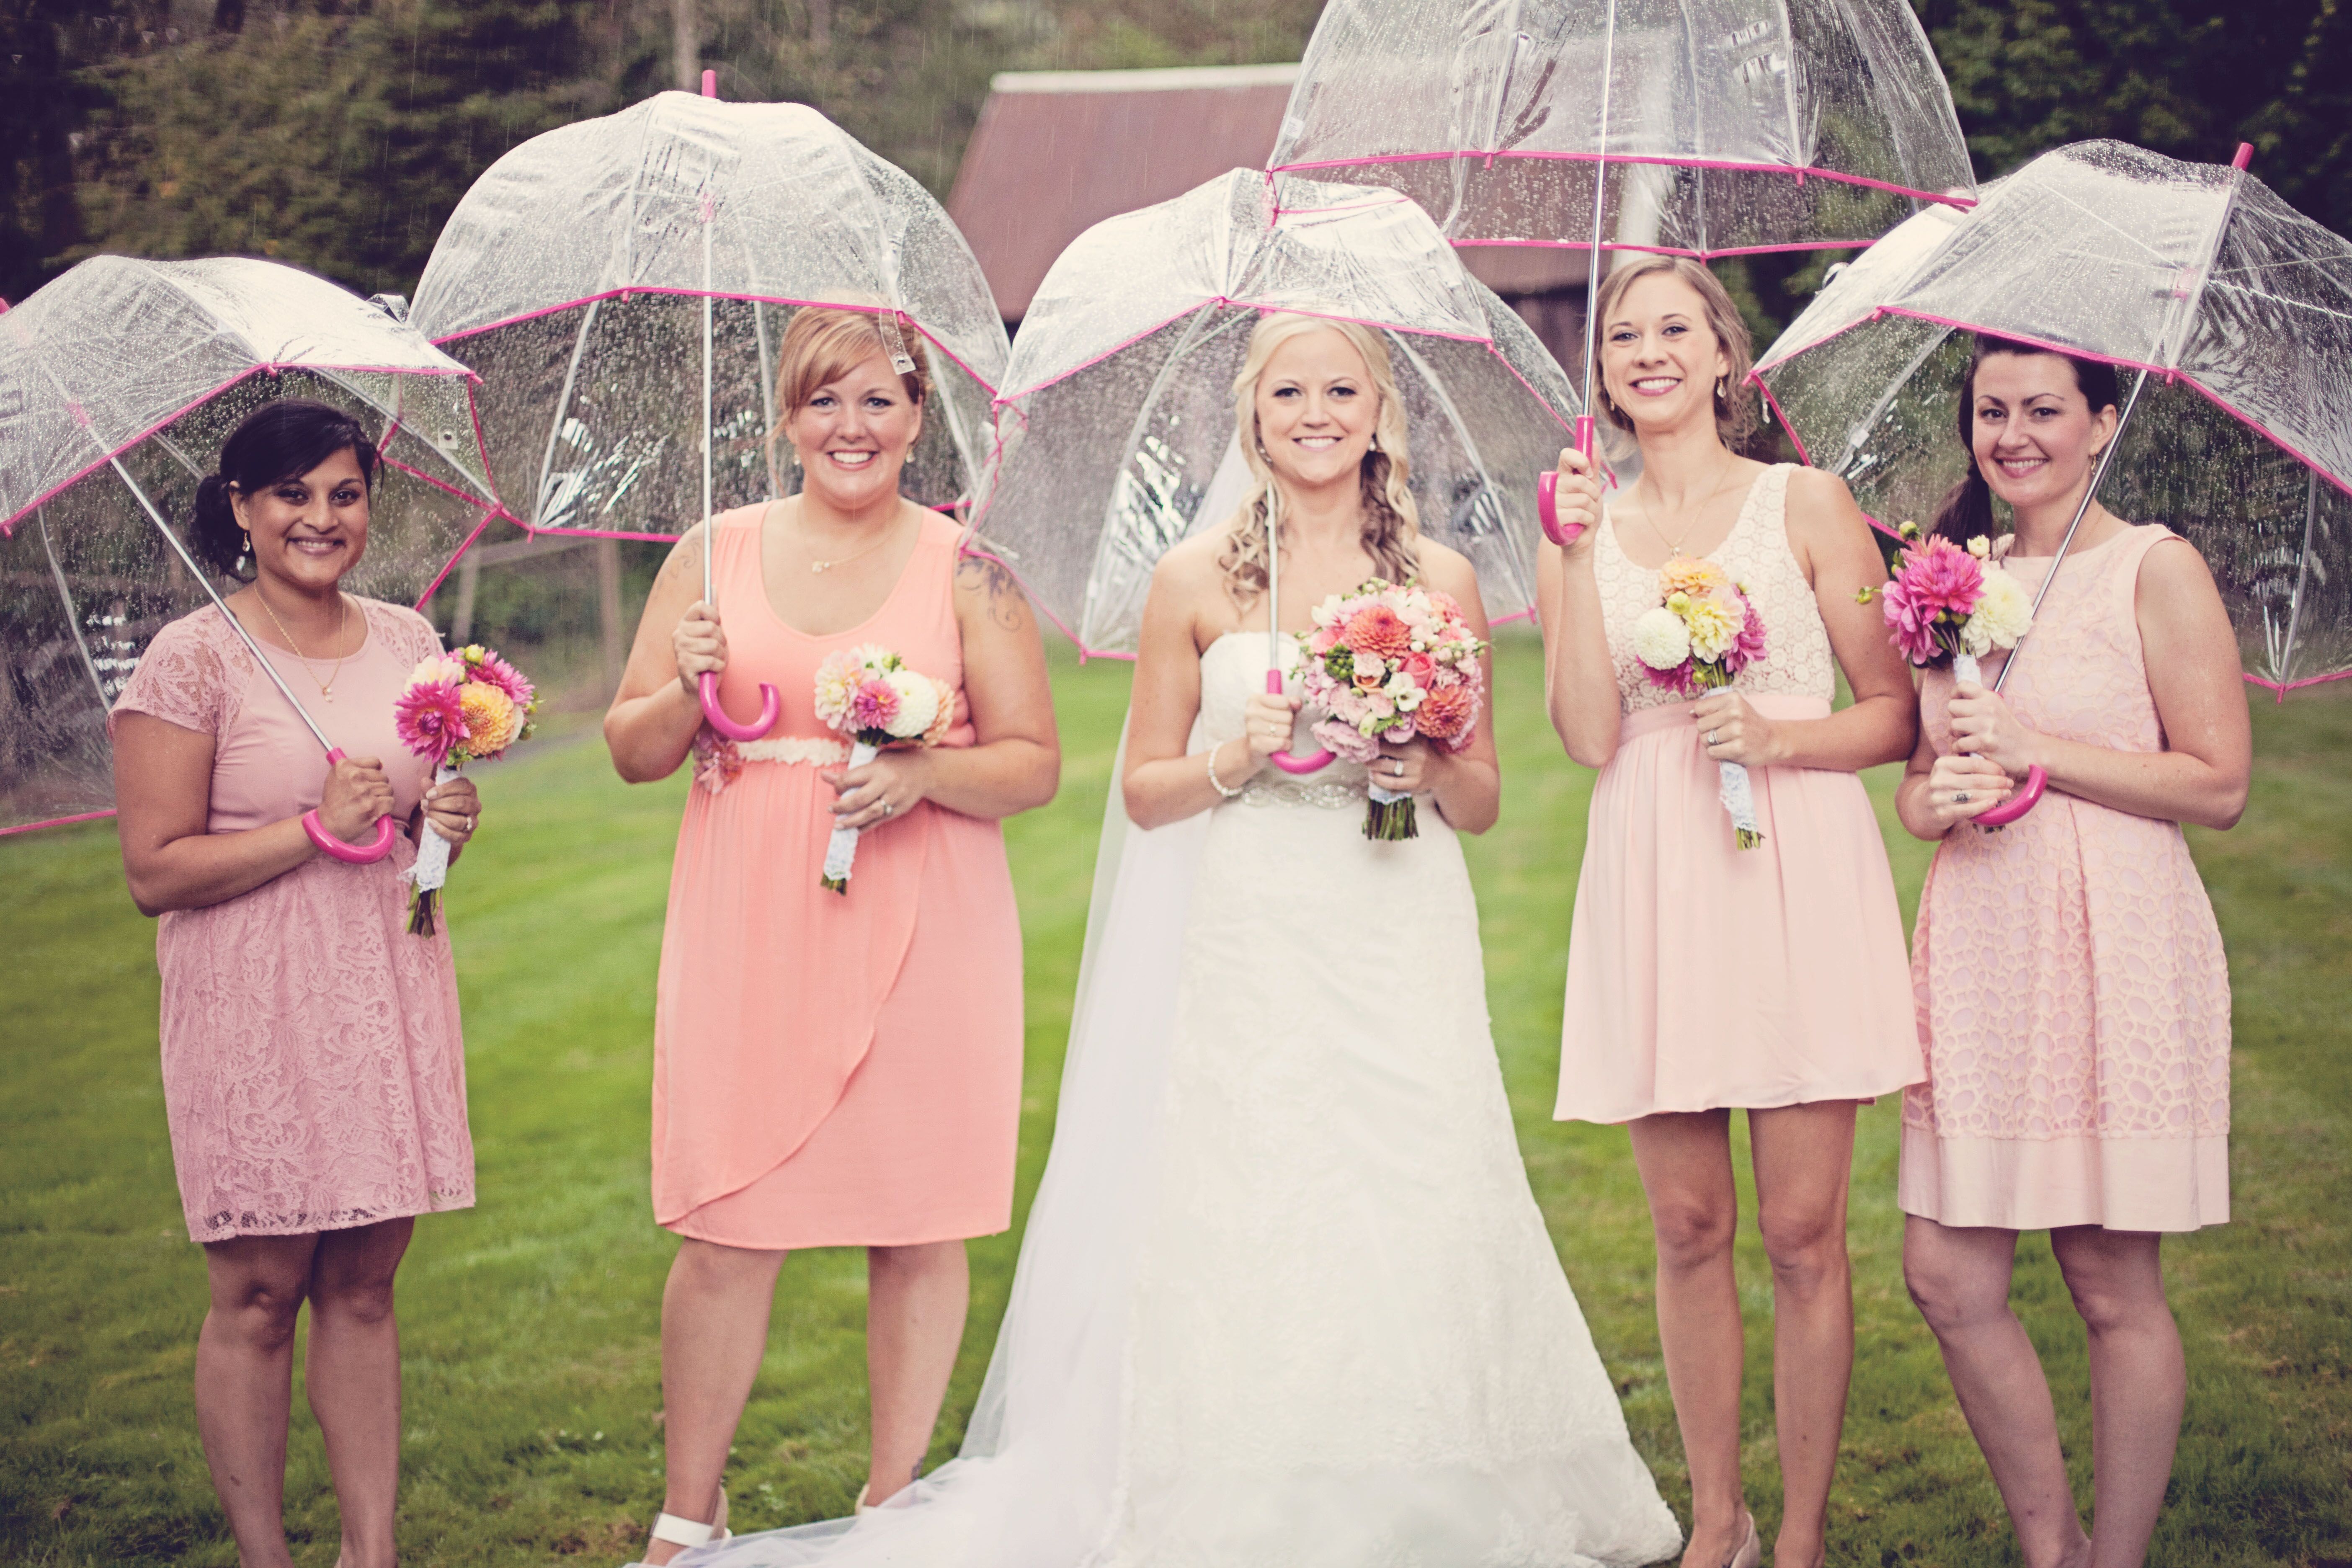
x,y
2034,434
1317,409
1659,358
309,532
853,434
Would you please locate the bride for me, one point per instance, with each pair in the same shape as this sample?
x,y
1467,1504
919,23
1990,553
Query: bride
x,y
1285,1297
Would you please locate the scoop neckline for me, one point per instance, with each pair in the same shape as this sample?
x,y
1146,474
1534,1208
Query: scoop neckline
x,y
1747,506
367,637
760,574
2085,553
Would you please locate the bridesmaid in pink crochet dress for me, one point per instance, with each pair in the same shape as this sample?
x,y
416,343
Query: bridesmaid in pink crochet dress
x,y
313,1073
832,1070
1701,978
2071,985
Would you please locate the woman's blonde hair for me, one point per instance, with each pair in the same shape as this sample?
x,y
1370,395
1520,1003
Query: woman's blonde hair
x,y
823,343
1391,521
1735,409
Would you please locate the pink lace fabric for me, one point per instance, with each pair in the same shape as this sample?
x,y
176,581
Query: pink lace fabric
x,y
2070,981
1797,659
313,1068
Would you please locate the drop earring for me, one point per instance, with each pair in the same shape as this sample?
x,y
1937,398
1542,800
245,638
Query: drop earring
x,y
1719,389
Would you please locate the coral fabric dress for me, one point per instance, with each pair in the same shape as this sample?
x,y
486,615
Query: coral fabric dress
x,y
314,1074
832,1070
2072,988
1704,975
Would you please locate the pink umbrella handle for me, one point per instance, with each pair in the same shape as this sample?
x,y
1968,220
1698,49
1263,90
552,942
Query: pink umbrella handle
x,y
2018,804
1548,491
770,705
1284,760
349,854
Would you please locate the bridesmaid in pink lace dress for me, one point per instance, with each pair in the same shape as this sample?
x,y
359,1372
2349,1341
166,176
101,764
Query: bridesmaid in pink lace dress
x,y
1704,978
2071,989
313,1073
831,1070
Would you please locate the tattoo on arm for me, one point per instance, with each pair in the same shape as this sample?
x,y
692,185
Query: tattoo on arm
x,y
1007,605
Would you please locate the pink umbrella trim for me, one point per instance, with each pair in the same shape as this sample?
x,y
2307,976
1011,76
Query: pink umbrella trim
x,y
1800,172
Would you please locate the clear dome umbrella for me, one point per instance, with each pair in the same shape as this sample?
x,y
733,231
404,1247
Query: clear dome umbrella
x,y
621,284
2232,311
1699,128
1116,422
119,382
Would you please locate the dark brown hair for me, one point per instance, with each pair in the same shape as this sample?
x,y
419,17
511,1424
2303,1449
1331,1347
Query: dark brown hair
x,y
1966,512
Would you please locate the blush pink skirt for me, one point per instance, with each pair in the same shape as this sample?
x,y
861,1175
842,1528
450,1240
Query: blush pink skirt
x,y
1701,975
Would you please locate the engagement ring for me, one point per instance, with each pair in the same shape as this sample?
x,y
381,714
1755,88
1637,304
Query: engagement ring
x,y
1959,797
1711,736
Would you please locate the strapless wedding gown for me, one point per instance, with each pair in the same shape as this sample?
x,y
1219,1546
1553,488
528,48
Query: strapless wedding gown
x,y
1285,1300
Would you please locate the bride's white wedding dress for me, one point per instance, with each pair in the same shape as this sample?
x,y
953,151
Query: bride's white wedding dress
x,y
1284,1300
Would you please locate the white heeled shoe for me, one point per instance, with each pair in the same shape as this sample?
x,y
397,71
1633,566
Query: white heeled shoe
x,y
677,1531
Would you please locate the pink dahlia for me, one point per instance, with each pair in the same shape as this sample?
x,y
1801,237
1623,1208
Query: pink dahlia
x,y
1914,628
1378,629
873,705
1937,575
430,720
497,672
1749,646
1448,714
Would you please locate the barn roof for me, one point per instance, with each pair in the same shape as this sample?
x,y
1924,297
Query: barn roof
x,y
1057,152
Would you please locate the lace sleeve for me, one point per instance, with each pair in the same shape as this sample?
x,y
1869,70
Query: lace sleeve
x,y
181,678
407,634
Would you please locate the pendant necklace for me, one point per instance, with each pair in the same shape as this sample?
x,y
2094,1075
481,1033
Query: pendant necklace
x,y
820,567
343,624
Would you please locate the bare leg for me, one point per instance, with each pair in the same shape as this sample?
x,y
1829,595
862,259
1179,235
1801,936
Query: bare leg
x,y
1685,1159
1960,1278
244,1383
353,1373
714,1332
916,1301
1804,1160
2139,1383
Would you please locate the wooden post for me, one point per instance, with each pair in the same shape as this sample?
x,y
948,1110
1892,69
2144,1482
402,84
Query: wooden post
x,y
685,46
608,611
461,621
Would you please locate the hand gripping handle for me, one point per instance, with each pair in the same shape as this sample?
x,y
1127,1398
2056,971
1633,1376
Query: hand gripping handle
x,y
770,705
349,854
1284,760
2028,795
1548,491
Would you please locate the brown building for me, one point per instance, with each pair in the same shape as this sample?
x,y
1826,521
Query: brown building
x,y
1057,152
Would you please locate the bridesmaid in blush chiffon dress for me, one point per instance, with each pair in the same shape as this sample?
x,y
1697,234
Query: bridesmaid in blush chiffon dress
x,y
2072,988
1701,978
831,1068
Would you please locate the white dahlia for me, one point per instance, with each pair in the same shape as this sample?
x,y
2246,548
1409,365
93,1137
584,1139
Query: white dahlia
x,y
1660,640
918,703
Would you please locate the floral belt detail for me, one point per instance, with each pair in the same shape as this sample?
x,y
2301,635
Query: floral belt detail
x,y
718,760
1325,793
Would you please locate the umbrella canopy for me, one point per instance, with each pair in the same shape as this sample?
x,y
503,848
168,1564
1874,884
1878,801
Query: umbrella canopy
x,y
1116,425
119,382
2234,310
574,277
1704,127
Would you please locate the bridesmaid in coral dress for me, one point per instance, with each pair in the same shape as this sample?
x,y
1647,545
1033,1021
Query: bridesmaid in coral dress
x,y
1701,978
832,1070
2070,985
314,1076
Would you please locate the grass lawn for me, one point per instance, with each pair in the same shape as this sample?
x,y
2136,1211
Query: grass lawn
x,y
530,1324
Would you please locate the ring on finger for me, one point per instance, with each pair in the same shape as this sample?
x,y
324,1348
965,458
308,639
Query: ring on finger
x,y
1959,797
1711,736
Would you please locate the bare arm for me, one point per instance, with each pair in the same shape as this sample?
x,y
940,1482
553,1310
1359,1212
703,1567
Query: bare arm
x,y
1579,677
1015,762
651,724
1831,541
162,794
1468,783
1164,783
2192,656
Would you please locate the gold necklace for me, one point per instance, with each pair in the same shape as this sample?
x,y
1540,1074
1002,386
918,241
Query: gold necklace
x,y
343,624
823,566
1675,546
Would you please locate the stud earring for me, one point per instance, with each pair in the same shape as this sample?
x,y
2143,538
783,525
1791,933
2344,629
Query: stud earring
x,y
1375,441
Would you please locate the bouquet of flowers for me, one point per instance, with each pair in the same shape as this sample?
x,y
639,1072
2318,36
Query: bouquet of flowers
x,y
1945,601
1389,663
1699,639
869,695
457,708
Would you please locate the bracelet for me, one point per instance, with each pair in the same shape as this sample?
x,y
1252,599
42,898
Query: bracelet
x,y
1214,781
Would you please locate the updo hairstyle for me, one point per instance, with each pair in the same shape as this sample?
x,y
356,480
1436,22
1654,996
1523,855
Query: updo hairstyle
x,y
277,442
1967,509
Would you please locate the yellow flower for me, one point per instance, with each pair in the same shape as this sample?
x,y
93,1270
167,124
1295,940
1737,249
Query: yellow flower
x,y
490,718
1689,575
1713,627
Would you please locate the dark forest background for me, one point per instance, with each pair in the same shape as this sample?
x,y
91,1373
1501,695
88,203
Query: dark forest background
x,y
339,133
